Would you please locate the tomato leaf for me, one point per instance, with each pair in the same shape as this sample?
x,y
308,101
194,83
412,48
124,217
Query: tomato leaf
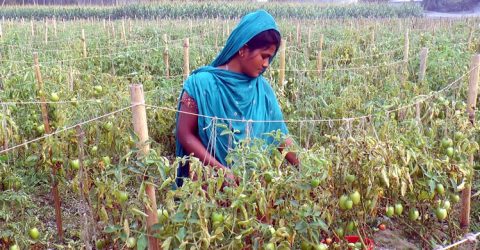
x,y
142,242
301,226
182,232
166,243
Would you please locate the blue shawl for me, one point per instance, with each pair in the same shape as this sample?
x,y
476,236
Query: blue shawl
x,y
225,95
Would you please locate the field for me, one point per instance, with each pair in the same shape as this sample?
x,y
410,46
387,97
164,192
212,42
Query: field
x,y
381,143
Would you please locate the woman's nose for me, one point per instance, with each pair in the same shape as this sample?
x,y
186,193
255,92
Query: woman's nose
x,y
266,62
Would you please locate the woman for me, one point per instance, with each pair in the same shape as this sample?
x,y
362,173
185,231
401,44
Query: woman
x,y
231,88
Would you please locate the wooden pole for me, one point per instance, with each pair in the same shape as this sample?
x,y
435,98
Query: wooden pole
x,y
281,73
405,57
140,127
32,27
471,107
319,64
406,47
320,43
423,64
299,35
43,105
186,58
55,27
124,35
46,31
113,30
309,37
165,57
84,44
470,36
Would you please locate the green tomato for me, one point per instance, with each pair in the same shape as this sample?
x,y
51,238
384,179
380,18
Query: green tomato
x,y
40,129
305,246
122,196
217,218
339,231
14,247
321,246
106,160
98,89
100,244
440,189
34,233
355,197
268,177
108,126
341,202
162,215
350,178
54,97
269,246
455,198
446,204
458,136
446,142
75,164
449,151
314,183
94,150
390,211
131,242
358,245
413,214
441,213
350,227
398,209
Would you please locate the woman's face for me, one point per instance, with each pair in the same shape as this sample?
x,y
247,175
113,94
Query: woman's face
x,y
254,62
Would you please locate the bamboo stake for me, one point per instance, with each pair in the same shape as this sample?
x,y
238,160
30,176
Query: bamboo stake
x,y
186,58
320,44
84,44
299,36
32,27
309,37
140,127
470,36
124,35
423,64
319,64
46,31
55,27
165,57
406,47
88,228
43,105
405,56
4,126
113,30
281,73
471,107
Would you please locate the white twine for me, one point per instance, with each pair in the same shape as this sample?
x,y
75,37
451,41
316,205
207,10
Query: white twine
x,y
66,129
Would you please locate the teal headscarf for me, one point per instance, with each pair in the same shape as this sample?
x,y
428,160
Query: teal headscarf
x,y
227,95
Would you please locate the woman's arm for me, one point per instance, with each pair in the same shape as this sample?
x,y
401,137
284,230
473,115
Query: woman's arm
x,y
188,138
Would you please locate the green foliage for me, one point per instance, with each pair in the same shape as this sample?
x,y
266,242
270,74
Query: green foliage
x,y
214,10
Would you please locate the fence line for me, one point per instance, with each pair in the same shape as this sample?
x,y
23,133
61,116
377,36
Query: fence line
x,y
67,128
329,120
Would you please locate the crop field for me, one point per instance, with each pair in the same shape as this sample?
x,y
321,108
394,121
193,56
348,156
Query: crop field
x,y
377,109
